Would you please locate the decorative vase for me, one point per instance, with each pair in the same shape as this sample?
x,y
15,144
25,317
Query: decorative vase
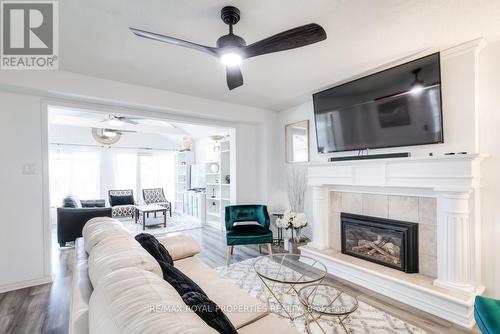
x,y
214,168
298,234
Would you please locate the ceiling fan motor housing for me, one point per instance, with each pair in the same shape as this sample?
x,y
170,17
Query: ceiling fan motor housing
x,y
230,40
230,15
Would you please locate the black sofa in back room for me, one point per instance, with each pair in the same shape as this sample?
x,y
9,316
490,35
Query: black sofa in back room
x,y
73,215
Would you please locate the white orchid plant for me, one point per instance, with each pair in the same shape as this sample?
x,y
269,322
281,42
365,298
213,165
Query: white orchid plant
x,y
295,220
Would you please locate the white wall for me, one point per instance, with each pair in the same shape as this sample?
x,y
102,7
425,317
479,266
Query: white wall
x,y
471,117
23,243
204,150
489,106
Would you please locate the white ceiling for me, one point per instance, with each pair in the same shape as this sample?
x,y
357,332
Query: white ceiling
x,y
362,34
174,131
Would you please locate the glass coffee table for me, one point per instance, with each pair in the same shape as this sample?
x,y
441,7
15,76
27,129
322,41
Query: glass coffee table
x,y
321,300
280,275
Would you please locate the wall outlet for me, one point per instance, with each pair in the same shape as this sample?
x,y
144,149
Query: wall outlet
x,y
29,169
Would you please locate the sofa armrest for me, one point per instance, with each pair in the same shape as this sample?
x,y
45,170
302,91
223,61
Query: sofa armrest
x,y
179,245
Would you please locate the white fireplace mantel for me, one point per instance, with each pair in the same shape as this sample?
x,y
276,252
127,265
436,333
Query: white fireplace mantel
x,y
452,180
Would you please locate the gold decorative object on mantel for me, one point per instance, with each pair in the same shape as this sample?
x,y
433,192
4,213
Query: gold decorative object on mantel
x,y
297,142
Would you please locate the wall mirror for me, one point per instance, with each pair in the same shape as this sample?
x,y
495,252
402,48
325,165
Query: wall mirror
x,y
297,141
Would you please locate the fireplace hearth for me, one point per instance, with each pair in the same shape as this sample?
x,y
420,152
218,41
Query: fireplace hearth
x,y
387,242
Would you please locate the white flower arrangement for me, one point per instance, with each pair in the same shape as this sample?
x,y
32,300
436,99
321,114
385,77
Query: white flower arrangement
x,y
292,219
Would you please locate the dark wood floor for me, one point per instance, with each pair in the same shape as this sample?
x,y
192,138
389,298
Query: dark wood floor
x,y
45,308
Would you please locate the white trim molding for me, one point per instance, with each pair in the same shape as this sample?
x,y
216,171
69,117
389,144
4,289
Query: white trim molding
x,y
26,284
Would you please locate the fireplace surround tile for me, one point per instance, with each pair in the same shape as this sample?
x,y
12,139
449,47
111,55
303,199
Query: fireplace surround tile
x,y
403,208
375,205
352,203
427,265
427,212
427,239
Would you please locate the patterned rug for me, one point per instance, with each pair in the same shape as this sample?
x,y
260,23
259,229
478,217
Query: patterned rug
x,y
174,224
366,319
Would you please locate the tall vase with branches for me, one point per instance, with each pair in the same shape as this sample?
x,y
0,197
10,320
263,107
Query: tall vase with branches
x,y
297,186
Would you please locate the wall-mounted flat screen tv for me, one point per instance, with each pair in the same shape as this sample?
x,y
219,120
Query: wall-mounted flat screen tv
x,y
400,106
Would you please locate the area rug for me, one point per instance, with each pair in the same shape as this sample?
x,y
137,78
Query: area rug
x,y
174,224
366,319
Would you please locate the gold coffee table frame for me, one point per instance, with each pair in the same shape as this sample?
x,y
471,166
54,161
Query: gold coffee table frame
x,y
314,312
288,269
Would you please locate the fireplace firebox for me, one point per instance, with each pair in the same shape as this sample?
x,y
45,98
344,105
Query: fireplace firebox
x,y
387,242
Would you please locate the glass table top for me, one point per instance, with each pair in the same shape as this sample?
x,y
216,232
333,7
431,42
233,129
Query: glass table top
x,y
326,299
290,268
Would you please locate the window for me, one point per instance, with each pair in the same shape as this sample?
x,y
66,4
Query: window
x,y
74,171
89,173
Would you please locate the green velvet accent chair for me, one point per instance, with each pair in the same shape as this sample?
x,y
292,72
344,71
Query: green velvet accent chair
x,y
487,315
240,232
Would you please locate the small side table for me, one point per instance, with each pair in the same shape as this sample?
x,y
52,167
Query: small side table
x,y
322,300
150,208
279,241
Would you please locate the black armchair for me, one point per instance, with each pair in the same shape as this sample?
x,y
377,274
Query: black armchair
x,y
70,221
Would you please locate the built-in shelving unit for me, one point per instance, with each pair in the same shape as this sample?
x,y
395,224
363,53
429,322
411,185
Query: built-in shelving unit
x,y
183,161
218,189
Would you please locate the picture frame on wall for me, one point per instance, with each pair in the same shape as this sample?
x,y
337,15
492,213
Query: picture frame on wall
x,y
297,142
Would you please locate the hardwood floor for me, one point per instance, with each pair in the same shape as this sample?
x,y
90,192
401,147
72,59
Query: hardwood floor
x,y
45,308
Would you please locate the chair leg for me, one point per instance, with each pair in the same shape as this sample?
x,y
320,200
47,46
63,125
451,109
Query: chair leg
x,y
232,249
270,249
228,257
260,249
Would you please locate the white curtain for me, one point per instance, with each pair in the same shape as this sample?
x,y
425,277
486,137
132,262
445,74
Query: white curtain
x,y
89,173
74,171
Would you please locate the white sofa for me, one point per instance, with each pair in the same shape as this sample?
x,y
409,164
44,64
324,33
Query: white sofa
x,y
118,287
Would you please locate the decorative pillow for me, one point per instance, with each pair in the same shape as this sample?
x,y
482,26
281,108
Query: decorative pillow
x,y
176,278
246,222
154,247
209,312
71,201
194,297
121,200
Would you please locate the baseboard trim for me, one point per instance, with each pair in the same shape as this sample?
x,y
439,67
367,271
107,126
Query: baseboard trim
x,y
25,284
446,307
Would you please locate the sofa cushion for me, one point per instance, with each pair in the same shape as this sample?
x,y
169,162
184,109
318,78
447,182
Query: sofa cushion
x,y
237,304
196,269
117,252
97,229
210,312
154,247
269,324
82,289
71,201
180,281
134,301
179,245
121,200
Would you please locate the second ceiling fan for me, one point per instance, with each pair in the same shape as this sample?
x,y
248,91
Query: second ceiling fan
x,y
231,49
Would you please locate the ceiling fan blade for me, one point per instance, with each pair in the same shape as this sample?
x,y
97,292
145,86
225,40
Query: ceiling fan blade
x,y
128,120
234,77
286,40
174,41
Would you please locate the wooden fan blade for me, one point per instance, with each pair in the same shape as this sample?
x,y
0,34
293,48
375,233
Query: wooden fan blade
x,y
174,41
290,39
234,77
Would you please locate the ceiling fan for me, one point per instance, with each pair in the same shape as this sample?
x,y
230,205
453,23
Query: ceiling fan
x,y
231,49
114,120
